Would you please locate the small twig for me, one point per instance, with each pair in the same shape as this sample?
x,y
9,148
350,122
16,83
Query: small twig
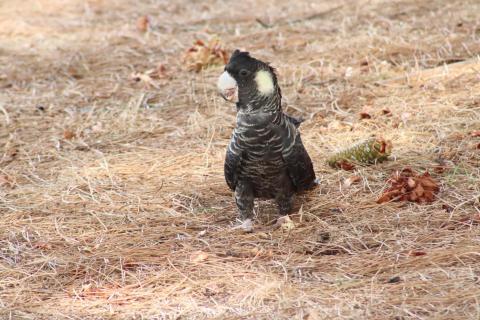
x,y
7,117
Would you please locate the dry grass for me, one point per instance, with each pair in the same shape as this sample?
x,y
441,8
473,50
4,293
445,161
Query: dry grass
x,y
113,202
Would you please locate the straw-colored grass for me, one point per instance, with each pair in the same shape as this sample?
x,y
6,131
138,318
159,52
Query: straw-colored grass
x,y
112,197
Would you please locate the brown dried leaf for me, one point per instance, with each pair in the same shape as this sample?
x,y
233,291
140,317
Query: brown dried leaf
x,y
386,112
419,191
364,115
428,182
439,169
68,134
143,23
202,55
386,197
409,186
417,253
347,166
161,71
428,196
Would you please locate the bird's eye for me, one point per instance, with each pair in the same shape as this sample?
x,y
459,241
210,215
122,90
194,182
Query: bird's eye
x,y
243,72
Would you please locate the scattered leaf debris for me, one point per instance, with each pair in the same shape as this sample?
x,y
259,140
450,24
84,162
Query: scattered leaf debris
x,y
407,185
203,55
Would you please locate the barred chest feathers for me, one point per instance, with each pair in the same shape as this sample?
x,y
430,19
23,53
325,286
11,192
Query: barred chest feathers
x,y
265,157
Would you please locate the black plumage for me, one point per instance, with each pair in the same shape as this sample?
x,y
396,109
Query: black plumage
x,y
265,158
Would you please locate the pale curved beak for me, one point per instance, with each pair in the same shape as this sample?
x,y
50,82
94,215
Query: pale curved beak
x,y
228,88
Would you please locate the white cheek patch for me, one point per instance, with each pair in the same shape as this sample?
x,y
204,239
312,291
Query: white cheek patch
x,y
264,82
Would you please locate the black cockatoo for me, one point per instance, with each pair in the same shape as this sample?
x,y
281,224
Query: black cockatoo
x,y
265,158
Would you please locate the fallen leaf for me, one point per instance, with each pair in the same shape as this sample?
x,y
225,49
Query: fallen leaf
x,y
386,197
142,23
417,253
394,279
351,180
198,256
261,252
411,183
68,134
74,73
407,185
447,208
161,71
145,79
475,133
347,166
386,112
42,245
129,264
364,115
95,292
10,155
439,169
202,55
